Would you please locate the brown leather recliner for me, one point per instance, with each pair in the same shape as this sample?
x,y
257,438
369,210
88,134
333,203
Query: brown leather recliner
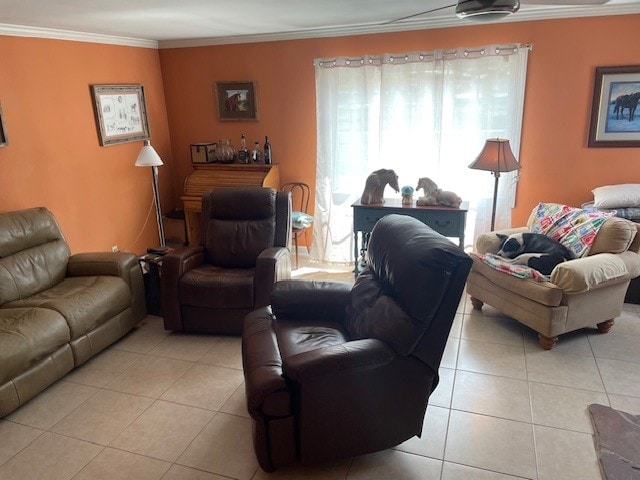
x,y
333,371
243,251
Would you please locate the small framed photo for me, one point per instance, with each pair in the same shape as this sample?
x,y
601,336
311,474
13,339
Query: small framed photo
x,y
236,100
3,131
121,114
615,116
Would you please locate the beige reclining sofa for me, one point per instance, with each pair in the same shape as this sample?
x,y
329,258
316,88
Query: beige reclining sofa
x,y
56,309
584,292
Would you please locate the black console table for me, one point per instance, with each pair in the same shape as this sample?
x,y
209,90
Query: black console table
x,y
447,221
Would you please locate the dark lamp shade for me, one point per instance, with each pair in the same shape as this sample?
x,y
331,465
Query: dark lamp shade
x,y
496,156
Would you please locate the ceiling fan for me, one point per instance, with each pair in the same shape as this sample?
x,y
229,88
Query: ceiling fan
x,y
488,10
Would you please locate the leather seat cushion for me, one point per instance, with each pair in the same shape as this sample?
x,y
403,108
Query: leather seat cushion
x,y
84,302
216,287
296,337
28,335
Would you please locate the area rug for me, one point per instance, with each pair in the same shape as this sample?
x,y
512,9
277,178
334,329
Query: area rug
x,y
617,436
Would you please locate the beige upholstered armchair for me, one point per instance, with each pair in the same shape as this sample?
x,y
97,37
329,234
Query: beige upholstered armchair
x,y
584,292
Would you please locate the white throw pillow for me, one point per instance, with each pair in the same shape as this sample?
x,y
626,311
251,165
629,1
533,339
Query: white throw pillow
x,y
617,196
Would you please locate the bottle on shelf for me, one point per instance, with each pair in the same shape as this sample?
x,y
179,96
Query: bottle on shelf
x,y
243,152
267,151
256,154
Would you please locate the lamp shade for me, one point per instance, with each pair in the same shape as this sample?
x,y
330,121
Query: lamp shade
x,y
496,156
148,157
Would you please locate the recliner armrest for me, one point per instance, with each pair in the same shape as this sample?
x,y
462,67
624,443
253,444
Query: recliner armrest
x,y
273,264
174,265
489,242
358,355
310,300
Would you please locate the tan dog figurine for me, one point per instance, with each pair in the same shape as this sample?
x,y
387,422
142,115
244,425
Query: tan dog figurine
x,y
434,196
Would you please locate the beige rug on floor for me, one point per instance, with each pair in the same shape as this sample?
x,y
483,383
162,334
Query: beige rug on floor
x,y
617,436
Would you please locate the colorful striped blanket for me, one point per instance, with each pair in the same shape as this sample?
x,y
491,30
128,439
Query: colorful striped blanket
x,y
574,228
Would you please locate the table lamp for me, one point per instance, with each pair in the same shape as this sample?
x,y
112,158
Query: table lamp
x,y
496,157
148,157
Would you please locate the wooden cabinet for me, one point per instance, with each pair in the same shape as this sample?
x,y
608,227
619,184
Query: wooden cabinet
x,y
209,176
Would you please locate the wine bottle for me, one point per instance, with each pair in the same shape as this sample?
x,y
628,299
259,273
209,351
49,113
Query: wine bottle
x,y
243,152
267,151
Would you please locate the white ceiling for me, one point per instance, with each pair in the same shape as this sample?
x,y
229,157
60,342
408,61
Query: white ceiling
x,y
172,23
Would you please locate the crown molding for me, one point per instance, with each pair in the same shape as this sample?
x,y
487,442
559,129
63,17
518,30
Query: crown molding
x,y
440,21
52,33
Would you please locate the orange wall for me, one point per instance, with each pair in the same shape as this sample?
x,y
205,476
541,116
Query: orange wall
x,y
54,159
557,105
101,199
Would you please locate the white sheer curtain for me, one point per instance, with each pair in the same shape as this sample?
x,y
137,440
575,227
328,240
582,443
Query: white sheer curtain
x,y
422,115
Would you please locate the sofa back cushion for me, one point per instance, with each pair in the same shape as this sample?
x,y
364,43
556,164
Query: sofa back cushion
x,y
33,253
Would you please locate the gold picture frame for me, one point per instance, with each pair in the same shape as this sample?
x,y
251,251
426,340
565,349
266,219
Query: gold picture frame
x,y
236,100
121,113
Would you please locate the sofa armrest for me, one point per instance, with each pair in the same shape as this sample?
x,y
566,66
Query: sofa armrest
x,y
174,265
310,300
356,356
490,243
101,263
272,265
118,264
589,273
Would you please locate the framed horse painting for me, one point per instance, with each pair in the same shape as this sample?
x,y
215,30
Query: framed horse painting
x,y
236,100
615,117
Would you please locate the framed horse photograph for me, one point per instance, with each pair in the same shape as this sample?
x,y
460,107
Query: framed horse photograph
x,y
236,100
3,134
615,118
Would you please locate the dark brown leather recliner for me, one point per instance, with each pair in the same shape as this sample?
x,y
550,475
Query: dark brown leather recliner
x,y
243,251
333,371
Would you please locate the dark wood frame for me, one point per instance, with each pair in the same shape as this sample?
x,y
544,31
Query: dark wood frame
x,y
249,106
601,103
3,132
130,128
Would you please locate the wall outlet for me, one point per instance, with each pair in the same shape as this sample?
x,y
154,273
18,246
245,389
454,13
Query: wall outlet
x,y
114,249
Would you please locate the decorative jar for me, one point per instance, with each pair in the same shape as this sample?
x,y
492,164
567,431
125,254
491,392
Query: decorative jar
x,y
225,153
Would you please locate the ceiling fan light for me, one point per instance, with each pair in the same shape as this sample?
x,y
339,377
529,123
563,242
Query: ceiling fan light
x,y
486,10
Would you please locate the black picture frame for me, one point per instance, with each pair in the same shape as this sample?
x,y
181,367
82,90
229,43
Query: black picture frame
x,y
615,90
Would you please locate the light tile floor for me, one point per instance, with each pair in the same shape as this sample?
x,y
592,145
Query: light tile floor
x,y
157,405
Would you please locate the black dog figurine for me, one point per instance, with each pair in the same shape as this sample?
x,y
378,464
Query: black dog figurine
x,y
534,250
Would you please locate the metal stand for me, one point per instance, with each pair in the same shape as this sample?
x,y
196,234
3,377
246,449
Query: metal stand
x,y
156,197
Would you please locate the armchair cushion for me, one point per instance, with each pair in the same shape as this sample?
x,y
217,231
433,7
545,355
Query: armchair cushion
x,y
545,293
583,274
615,236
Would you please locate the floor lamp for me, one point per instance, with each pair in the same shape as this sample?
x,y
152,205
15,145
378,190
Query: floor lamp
x,y
496,157
148,157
